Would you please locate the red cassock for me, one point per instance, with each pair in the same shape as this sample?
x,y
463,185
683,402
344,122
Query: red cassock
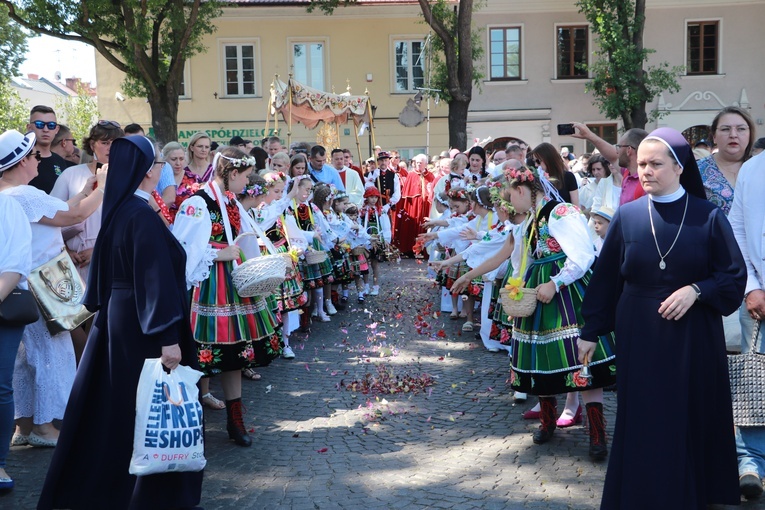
x,y
413,208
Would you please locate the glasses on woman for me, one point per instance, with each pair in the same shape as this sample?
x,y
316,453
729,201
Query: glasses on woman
x,y
727,130
109,123
39,124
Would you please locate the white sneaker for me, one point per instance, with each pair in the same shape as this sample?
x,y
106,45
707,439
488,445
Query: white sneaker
x,y
366,288
375,290
288,353
323,317
330,307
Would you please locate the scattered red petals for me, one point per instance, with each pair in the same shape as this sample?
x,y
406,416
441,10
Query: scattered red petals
x,y
322,450
441,333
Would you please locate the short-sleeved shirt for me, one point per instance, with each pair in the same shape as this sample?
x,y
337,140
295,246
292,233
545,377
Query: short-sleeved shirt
x,y
166,178
48,170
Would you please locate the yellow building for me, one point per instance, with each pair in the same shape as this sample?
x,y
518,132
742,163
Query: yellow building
x,y
374,47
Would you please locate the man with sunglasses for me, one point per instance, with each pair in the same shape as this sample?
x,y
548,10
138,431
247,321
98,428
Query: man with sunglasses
x,y
64,143
43,123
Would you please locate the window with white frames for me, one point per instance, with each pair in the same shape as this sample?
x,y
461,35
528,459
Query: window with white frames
x,y
240,69
308,63
408,65
505,53
184,91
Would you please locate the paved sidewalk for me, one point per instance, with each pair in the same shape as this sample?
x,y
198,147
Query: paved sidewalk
x,y
459,443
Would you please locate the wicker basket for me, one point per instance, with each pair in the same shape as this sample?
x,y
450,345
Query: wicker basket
x,y
522,308
259,276
315,256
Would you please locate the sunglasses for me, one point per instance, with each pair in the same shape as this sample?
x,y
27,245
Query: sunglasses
x,y
109,123
617,146
50,125
36,155
74,142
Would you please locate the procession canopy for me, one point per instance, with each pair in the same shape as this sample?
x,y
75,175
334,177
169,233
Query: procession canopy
x,y
310,106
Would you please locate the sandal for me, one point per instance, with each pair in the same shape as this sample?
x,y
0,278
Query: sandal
x,y
213,403
453,316
250,374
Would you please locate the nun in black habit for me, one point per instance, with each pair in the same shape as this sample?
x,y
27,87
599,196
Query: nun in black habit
x,y
138,287
669,270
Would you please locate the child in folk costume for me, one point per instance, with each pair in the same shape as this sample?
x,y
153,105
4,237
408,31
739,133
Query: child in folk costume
x,y
269,219
323,198
341,254
359,241
544,349
482,248
459,215
232,332
377,224
319,236
436,252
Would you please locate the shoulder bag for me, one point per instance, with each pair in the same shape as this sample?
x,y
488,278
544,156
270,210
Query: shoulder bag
x,y
18,309
747,384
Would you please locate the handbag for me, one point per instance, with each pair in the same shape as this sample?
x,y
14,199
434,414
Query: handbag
x,y
169,424
747,384
58,290
18,309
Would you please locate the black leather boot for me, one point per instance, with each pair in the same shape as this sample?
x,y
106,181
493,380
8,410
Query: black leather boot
x,y
235,423
548,415
597,424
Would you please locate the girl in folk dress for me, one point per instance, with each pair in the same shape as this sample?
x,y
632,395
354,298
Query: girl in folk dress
x,y
268,216
359,241
341,254
377,226
232,332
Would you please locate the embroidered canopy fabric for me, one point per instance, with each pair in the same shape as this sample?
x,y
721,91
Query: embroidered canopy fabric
x,y
310,106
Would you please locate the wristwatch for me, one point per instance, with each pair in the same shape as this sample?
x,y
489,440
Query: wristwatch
x,y
697,290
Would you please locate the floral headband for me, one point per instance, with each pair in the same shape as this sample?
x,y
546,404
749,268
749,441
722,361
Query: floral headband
x,y
522,174
341,195
240,162
458,194
272,182
442,201
478,198
495,190
255,190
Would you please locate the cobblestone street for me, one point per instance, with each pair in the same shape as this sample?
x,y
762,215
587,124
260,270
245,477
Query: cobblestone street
x,y
457,443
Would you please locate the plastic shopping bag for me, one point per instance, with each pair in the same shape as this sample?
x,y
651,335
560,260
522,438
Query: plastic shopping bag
x,y
169,434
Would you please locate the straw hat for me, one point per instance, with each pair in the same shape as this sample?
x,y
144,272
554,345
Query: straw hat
x,y
14,147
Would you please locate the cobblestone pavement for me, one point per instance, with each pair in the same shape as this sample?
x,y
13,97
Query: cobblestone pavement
x,y
460,443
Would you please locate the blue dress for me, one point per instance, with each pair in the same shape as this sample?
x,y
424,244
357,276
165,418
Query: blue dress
x,y
673,445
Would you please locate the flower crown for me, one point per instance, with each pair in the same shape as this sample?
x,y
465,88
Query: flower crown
x,y
495,190
255,190
272,182
240,162
522,174
458,194
341,195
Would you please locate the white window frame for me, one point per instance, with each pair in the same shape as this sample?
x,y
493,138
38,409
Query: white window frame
x,y
324,41
240,41
522,53
394,39
719,47
412,151
186,81
590,49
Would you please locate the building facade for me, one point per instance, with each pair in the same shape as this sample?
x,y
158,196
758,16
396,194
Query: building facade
x,y
532,80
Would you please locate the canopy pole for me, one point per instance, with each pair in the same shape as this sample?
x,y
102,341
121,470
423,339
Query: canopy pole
x,y
358,144
289,128
371,123
269,106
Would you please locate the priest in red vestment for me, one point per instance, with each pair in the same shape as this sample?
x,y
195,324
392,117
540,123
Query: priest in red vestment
x,y
414,206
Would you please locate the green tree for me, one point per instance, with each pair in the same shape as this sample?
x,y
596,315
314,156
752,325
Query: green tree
x,y
13,45
622,84
14,112
148,40
79,113
456,73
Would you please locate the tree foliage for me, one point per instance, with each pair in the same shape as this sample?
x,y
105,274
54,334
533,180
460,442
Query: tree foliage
x,y
14,112
460,46
13,45
148,40
79,113
622,84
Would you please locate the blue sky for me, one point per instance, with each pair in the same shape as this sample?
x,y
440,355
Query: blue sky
x,y
46,55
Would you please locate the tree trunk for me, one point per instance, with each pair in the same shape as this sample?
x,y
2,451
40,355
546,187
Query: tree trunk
x,y
164,115
458,112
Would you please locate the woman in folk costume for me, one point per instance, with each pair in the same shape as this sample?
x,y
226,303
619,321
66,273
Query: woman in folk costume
x,y
267,217
377,225
232,332
415,203
137,286
669,270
